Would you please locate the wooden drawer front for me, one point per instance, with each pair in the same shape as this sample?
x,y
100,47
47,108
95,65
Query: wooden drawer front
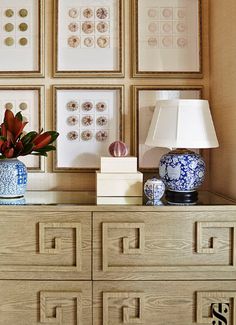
x,y
152,245
45,245
45,302
162,303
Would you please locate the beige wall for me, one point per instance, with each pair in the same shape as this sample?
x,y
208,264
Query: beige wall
x,y
223,95
79,181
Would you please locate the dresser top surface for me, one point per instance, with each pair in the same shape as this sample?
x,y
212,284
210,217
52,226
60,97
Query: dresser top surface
x,y
87,201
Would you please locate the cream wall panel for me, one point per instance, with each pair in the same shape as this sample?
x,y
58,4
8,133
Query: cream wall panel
x,y
86,181
223,95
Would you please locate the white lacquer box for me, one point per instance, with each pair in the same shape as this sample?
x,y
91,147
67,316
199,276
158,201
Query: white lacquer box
x,y
118,164
119,184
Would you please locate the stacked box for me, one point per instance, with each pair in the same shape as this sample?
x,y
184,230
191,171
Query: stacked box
x,y
119,182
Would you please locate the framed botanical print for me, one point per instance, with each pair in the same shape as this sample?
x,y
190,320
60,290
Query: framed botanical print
x,y
88,39
88,119
21,38
29,101
167,38
145,98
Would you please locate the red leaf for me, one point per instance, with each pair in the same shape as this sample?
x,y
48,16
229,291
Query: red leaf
x,y
3,130
42,140
13,124
9,153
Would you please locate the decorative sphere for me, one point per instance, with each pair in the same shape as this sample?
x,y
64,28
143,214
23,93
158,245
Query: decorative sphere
x,y
154,189
118,149
182,172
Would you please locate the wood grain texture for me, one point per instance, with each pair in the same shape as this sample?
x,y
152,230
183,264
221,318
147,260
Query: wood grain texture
x,y
44,244
180,245
45,302
223,95
161,302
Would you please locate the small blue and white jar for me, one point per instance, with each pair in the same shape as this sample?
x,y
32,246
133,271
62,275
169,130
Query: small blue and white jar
x,y
154,189
13,178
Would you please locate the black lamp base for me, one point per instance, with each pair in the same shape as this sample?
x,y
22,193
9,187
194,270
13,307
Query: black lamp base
x,y
184,198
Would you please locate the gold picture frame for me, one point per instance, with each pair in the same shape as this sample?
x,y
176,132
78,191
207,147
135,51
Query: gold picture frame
x,y
68,121
73,70
175,52
18,54
143,108
34,97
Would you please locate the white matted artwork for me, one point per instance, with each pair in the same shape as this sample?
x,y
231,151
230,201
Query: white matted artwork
x,y
27,101
170,32
21,37
88,37
148,157
88,120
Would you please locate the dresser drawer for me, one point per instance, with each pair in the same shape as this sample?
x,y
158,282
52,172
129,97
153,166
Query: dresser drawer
x,y
52,244
164,245
164,302
45,302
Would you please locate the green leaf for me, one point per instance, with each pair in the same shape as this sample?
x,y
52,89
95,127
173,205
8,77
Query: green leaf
x,y
53,135
19,116
39,154
29,137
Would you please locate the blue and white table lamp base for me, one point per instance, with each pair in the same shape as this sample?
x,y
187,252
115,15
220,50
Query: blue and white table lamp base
x,y
182,124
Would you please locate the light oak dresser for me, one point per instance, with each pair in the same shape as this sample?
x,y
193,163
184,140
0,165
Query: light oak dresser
x,y
64,262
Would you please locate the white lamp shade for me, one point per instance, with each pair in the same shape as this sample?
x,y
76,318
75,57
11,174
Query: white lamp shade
x,y
184,123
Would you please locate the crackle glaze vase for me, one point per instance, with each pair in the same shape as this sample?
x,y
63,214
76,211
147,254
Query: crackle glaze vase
x,y
13,178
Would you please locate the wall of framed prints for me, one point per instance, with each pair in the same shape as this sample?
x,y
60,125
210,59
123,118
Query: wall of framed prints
x,y
98,80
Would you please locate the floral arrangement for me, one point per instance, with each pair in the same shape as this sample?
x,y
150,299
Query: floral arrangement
x,y
14,142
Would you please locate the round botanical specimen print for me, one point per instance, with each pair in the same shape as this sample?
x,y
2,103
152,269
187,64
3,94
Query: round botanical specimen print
x,y
72,120
167,12
181,13
153,27
73,27
9,13
23,27
167,27
73,135
73,13
181,27
87,106
102,120
152,42
87,120
9,41
182,42
9,27
73,41
103,41
23,41
101,106
23,13
88,13
167,41
152,13
72,105
102,27
102,13
86,135
101,136
9,106
88,41
88,27
23,106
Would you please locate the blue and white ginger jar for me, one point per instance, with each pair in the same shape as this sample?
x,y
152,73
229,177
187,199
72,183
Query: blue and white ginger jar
x,y
13,178
182,172
154,189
